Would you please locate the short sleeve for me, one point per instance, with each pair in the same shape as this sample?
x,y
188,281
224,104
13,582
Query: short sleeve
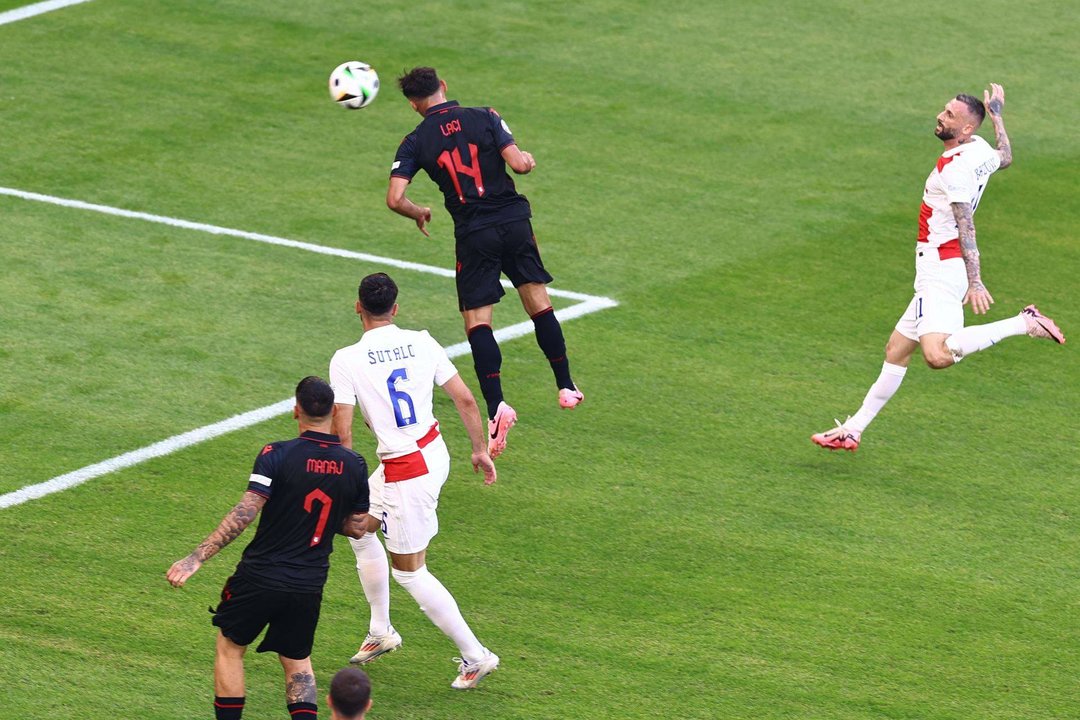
x,y
339,381
406,164
959,183
444,367
363,501
503,136
262,474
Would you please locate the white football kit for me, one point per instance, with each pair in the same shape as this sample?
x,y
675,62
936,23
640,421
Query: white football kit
x,y
961,175
391,373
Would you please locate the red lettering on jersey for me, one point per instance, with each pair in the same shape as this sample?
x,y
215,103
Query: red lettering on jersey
x,y
325,467
448,129
266,449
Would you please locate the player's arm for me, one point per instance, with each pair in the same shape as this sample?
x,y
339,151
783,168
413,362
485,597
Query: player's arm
x,y
397,201
341,424
976,294
994,99
519,161
467,408
230,528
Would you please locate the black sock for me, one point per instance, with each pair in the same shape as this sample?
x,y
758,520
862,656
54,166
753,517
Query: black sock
x,y
487,360
550,339
228,708
303,711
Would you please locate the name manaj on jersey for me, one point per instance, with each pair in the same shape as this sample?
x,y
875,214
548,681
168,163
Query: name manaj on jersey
x,y
391,373
960,176
311,484
460,149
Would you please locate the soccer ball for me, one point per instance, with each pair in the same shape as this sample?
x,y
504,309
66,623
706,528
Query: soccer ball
x,y
354,85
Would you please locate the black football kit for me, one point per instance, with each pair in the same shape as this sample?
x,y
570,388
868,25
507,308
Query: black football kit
x,y
460,149
312,484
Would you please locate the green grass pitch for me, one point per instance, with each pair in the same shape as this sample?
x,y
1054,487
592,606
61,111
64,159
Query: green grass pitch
x,y
743,178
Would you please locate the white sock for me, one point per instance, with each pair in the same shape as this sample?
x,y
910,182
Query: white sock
x,y
887,384
979,337
374,571
441,608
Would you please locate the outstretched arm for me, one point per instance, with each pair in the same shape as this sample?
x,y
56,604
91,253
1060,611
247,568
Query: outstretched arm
x,y
230,528
466,406
994,99
977,294
402,205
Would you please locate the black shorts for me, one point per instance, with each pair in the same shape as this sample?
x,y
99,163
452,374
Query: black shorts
x,y
484,254
245,609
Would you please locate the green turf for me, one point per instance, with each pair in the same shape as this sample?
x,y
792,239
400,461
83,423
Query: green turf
x,y
743,178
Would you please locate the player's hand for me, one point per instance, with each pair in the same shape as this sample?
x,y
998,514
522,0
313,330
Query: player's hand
x,y
483,461
530,162
994,99
181,570
355,526
979,297
424,219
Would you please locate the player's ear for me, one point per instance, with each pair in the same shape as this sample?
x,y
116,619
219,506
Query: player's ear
x,y
359,307
393,310
296,412
442,85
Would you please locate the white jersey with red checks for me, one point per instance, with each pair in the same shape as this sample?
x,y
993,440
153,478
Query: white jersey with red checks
x,y
391,374
960,176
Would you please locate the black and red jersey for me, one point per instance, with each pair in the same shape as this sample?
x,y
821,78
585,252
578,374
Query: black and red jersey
x,y
312,484
460,149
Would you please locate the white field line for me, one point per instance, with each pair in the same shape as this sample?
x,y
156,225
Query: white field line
x,y
273,240
28,11
587,304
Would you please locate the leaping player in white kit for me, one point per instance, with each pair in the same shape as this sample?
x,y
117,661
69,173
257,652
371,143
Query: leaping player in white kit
x,y
947,272
391,373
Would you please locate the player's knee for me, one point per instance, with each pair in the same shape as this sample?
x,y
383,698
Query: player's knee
x,y
898,350
938,360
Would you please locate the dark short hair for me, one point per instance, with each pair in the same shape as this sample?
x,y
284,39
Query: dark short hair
x,y
350,691
974,106
378,293
315,397
419,83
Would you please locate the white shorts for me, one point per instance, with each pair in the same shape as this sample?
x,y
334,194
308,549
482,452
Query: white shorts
x,y
406,508
938,303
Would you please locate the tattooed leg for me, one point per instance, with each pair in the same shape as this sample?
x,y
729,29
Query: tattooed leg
x,y
299,681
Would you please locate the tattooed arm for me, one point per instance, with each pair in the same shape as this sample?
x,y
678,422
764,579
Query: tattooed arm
x,y
977,294
230,528
357,524
994,99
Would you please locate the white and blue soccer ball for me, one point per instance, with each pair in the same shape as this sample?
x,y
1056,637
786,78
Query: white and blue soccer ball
x,y
354,85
